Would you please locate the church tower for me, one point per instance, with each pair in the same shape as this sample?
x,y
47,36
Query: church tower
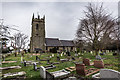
x,y
37,40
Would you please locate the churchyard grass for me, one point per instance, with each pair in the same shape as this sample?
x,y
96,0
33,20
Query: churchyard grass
x,y
30,73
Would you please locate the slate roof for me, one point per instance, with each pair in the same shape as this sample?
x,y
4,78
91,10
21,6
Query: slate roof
x,y
55,42
67,43
52,42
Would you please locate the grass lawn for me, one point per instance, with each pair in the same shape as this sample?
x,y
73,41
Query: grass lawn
x,y
31,74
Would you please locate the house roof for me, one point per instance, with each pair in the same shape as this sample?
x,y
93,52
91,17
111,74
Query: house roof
x,y
52,42
55,42
67,43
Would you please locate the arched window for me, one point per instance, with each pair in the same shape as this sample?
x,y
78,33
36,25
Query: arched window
x,y
37,26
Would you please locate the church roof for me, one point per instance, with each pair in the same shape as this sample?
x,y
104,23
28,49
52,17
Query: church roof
x,y
52,42
55,42
67,43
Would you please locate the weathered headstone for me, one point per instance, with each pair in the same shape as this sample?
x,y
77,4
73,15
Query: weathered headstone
x,y
109,73
114,54
57,74
42,72
48,61
52,55
91,52
64,53
25,63
76,53
86,61
57,54
80,69
3,58
68,53
71,78
73,58
101,54
36,57
35,66
9,61
11,67
58,58
98,64
98,57
49,67
14,74
61,54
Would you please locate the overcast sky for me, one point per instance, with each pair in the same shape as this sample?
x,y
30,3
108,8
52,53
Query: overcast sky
x,y
61,18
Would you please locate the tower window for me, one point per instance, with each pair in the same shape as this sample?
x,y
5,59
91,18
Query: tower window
x,y
36,34
37,26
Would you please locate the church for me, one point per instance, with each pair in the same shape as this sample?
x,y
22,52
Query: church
x,y
38,41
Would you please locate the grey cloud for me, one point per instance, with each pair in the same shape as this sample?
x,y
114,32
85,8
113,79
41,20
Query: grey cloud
x,y
61,18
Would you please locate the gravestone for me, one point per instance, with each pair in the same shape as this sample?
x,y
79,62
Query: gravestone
x,y
70,78
64,53
57,75
48,61
73,58
42,72
98,64
35,66
98,57
36,57
91,52
101,54
49,67
109,73
80,69
76,53
86,61
9,61
14,74
52,55
11,67
114,54
24,63
68,53
61,54
57,54
58,58
3,58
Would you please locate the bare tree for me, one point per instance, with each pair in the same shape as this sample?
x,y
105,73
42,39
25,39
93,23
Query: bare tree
x,y
20,40
6,29
97,25
5,33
